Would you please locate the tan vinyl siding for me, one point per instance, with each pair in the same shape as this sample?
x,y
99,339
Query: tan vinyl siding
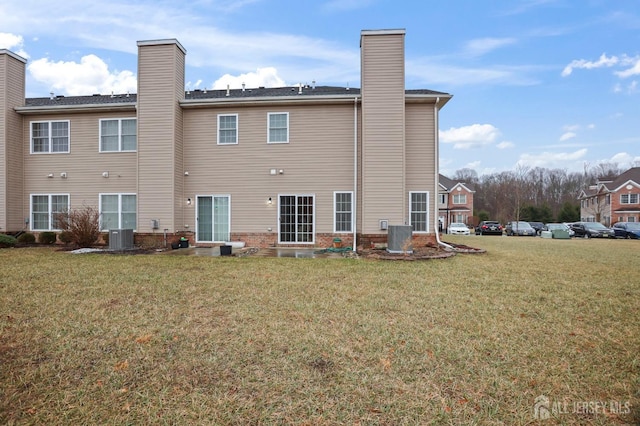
x,y
160,87
12,71
317,160
383,121
420,154
84,164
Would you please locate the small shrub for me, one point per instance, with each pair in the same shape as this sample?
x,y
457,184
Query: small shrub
x,y
27,238
82,224
47,237
65,237
105,238
7,241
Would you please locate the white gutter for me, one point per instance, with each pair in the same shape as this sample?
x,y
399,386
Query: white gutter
x,y
355,171
437,176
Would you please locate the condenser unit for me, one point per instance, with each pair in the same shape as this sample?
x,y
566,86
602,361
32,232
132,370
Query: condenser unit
x,y
120,239
399,239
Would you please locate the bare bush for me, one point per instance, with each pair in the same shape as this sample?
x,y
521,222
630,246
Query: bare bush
x,y
82,225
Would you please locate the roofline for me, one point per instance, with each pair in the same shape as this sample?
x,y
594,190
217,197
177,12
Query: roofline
x,y
259,100
13,55
59,109
628,182
397,31
161,42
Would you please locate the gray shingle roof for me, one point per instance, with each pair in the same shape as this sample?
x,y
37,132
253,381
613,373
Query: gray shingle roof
x,y
260,92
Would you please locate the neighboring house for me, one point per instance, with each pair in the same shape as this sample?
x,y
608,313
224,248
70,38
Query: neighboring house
x,y
455,202
285,166
614,200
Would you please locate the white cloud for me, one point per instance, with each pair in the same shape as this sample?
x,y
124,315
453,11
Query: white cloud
x,y
13,43
566,136
481,46
473,136
634,70
623,159
267,77
603,61
551,159
91,75
505,145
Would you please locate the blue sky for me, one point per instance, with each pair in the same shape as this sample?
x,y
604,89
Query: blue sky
x,y
538,83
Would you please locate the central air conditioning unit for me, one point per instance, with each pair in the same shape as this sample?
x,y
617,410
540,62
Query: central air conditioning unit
x,y
399,239
120,239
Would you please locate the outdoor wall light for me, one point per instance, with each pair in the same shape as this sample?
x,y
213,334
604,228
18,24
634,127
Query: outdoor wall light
x,y
269,201
188,201
105,174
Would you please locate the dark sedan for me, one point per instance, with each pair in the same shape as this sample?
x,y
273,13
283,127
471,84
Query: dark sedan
x,y
592,230
627,230
489,227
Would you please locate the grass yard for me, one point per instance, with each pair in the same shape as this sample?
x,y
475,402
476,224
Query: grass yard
x,y
474,339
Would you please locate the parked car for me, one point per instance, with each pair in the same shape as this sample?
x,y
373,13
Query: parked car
x,y
537,226
557,229
520,228
592,230
627,230
489,227
458,228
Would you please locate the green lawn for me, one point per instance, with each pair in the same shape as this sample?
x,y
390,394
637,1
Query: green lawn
x,y
474,339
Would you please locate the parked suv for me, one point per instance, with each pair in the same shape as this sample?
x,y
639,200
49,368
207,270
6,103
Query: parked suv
x,y
537,226
489,227
520,228
592,230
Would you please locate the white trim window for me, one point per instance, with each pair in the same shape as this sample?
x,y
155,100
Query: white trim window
x,y
118,211
118,135
343,211
49,137
442,199
628,198
227,129
278,127
419,211
459,198
44,208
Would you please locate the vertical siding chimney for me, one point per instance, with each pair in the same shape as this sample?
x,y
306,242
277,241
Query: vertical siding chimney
x,y
383,128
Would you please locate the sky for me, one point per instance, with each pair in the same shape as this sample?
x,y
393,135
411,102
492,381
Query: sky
x,y
535,83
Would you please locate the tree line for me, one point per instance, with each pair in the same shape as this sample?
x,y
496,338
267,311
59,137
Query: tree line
x,y
533,194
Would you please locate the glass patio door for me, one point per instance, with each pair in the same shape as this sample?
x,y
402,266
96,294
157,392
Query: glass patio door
x,y
212,217
296,219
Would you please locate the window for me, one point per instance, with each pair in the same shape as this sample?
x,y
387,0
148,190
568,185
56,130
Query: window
x,y
461,218
49,137
44,208
459,198
343,213
442,198
227,129
118,135
118,211
607,199
628,198
419,211
631,219
278,131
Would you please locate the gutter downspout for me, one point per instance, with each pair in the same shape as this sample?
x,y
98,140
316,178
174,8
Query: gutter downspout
x,y
437,177
355,170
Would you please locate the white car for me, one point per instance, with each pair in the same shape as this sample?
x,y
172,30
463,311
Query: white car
x,y
458,228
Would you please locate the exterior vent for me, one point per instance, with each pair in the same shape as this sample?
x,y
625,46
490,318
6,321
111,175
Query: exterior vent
x,y
399,239
120,239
